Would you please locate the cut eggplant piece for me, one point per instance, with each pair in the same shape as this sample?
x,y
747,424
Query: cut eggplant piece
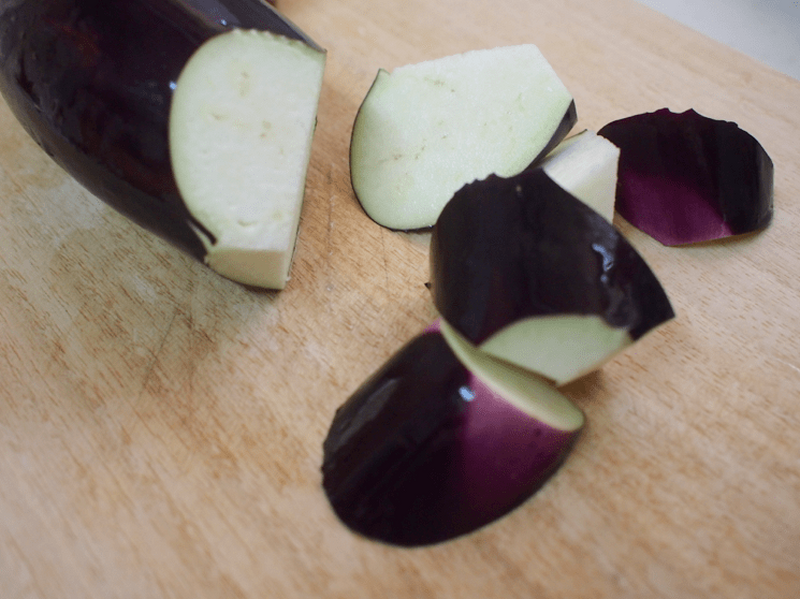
x,y
585,165
425,130
135,99
532,275
441,441
236,135
686,178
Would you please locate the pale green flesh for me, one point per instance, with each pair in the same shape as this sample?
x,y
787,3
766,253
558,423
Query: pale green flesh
x,y
525,390
241,127
586,166
561,348
428,129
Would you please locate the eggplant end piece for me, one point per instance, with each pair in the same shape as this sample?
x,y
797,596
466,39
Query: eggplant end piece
x,y
241,127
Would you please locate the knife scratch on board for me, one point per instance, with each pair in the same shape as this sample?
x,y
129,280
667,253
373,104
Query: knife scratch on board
x,y
383,233
329,284
157,353
790,365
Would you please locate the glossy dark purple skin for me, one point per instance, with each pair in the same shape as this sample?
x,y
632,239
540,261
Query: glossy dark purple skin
x,y
685,178
91,81
564,127
506,455
423,452
247,14
535,250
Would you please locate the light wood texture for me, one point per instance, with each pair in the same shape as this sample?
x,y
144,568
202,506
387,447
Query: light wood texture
x,y
161,427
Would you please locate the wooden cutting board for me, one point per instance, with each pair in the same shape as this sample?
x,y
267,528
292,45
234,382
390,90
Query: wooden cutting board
x,y
161,427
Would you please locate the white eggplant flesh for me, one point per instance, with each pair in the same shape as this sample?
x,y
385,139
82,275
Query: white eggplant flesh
x,y
586,164
425,130
240,147
525,390
562,347
193,118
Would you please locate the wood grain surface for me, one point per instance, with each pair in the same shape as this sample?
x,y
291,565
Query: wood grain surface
x,y
161,427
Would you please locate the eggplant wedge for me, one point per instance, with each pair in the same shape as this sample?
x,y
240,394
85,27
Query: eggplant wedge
x,y
194,118
687,178
426,129
545,282
443,440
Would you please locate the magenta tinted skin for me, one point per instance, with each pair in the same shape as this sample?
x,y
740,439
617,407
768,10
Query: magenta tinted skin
x,y
685,178
423,452
506,455
504,249
92,80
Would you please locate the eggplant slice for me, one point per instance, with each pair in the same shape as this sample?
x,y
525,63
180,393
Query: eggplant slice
x,y
686,178
427,450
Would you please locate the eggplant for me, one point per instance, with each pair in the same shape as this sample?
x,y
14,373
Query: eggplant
x,y
441,441
585,165
532,275
116,92
687,178
426,129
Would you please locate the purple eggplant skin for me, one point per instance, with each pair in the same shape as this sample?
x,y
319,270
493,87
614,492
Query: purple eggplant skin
x,y
564,127
686,178
535,250
248,14
423,452
506,455
91,81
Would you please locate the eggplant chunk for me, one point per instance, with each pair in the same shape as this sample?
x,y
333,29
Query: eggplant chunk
x,y
585,165
114,91
426,129
687,178
544,281
441,441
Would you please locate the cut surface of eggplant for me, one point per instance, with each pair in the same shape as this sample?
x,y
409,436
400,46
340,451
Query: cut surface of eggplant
x,y
427,450
567,346
93,84
426,129
687,178
240,146
527,392
585,164
543,276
